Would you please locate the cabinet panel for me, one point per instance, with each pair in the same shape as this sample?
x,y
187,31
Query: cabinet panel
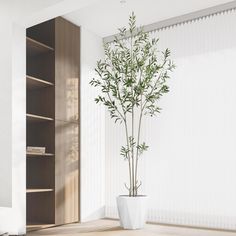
x,y
67,55
67,64
67,172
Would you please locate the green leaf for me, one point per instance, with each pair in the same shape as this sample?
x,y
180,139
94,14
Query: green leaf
x,y
124,152
142,147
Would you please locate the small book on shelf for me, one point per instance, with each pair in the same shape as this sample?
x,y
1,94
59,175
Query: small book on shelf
x,y
40,150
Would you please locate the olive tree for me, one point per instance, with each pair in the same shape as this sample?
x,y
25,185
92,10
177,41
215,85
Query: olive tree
x,y
131,79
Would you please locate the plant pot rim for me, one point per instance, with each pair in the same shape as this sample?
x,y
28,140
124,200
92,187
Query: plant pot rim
x,y
127,196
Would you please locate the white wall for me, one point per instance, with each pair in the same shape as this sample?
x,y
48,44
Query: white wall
x,y
92,132
5,104
189,171
12,218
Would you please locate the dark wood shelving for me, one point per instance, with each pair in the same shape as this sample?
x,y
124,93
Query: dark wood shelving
x,y
38,226
39,190
35,47
40,94
30,154
36,83
37,118
52,73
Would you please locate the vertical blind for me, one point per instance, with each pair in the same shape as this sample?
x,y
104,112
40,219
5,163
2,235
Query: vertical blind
x,y
189,171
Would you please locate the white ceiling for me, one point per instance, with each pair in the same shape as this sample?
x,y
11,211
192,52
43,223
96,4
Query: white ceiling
x,y
26,6
31,12
105,16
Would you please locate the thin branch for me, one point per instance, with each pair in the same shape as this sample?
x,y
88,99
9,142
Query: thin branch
x,y
115,106
138,139
132,115
139,129
126,186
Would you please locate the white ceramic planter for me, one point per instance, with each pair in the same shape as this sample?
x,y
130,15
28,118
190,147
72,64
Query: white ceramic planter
x,y
132,211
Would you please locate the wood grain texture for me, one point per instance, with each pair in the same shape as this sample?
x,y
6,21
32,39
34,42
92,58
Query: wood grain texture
x,y
39,155
107,227
67,61
43,32
40,171
41,134
35,83
40,207
67,56
41,102
41,66
53,93
32,226
38,190
35,47
67,172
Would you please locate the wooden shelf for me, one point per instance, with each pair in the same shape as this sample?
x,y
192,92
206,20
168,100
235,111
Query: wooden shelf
x,y
37,118
35,48
35,83
40,132
30,154
38,226
39,190
49,47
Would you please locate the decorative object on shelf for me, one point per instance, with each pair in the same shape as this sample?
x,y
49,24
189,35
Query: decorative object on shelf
x,y
39,150
132,78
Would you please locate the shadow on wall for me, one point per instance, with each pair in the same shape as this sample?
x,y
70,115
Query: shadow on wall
x,y
95,214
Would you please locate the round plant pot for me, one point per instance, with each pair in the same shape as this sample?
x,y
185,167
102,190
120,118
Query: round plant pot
x,y
132,211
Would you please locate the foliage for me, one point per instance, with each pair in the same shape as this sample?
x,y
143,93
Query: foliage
x,y
132,79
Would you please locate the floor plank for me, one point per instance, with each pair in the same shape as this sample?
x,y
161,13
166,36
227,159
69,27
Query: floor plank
x,y
112,228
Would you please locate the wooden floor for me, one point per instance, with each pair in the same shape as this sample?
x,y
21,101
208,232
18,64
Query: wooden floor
x,y
112,228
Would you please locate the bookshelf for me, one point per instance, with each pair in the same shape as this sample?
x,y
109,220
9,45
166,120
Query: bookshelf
x,y
40,119
52,116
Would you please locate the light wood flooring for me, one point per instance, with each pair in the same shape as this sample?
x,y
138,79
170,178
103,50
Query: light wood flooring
x,y
112,228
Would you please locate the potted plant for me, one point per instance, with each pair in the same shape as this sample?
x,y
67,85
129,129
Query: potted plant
x,y
132,78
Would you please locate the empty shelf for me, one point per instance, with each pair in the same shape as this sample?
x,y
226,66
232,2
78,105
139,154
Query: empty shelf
x,y
37,118
39,190
35,48
35,83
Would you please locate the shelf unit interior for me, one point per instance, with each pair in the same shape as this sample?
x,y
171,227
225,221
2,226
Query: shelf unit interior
x,y
40,101
35,83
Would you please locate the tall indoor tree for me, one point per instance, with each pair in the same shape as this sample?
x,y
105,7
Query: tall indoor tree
x,y
131,79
